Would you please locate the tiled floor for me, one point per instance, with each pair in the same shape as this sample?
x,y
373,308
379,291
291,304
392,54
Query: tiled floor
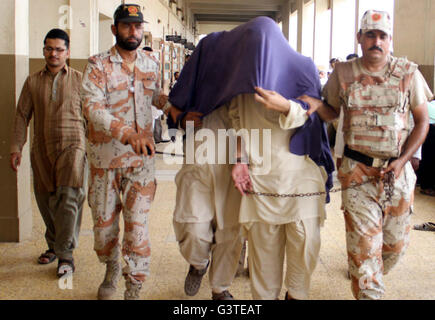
x,y
22,278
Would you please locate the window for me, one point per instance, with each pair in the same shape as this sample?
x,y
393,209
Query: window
x,y
343,29
322,42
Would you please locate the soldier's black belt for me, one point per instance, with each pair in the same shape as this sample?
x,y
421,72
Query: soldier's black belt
x,y
368,161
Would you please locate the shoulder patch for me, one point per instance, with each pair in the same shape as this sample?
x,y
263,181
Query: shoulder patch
x,y
92,59
99,56
403,66
146,55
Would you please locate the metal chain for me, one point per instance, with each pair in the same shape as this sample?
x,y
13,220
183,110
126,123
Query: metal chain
x,y
170,154
309,194
388,186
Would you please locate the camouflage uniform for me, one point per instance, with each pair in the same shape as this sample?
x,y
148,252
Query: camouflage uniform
x,y
377,229
376,124
117,102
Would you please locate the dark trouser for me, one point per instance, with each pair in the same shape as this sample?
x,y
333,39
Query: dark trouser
x,y
62,214
158,130
331,134
426,171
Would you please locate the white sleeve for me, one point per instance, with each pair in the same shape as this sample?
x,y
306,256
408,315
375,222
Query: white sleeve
x,y
296,117
417,153
419,90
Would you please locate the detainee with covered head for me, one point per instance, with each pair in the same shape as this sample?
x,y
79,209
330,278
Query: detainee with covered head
x,y
286,151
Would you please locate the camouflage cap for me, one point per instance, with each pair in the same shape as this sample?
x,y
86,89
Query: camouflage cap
x,y
376,20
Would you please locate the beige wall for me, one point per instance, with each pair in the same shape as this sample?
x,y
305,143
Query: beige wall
x,y
105,36
206,28
44,16
74,16
155,10
89,33
414,31
170,21
414,34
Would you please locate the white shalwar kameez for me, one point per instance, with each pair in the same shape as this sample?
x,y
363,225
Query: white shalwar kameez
x,y
279,226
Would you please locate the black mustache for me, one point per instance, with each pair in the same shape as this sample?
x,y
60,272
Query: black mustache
x,y
376,48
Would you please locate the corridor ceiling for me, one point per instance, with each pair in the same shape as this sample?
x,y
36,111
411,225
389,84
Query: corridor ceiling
x,y
233,10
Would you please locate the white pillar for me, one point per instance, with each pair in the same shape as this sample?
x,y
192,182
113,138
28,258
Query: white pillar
x,y
300,8
16,213
285,15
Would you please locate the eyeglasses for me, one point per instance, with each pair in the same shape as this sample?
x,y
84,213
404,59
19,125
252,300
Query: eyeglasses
x,y
50,50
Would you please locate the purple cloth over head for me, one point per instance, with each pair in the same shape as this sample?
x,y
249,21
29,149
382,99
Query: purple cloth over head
x,y
225,64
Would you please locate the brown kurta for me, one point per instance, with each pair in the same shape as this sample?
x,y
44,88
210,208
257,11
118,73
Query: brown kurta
x,y
58,150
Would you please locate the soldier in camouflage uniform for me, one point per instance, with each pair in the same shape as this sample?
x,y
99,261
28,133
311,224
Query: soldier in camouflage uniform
x,y
378,92
118,89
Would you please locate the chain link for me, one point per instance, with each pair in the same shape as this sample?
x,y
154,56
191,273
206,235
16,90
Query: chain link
x,y
309,194
388,186
172,154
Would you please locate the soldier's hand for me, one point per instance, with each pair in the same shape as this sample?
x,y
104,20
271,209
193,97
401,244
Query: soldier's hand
x,y
161,100
242,180
142,144
313,103
192,116
15,160
396,166
272,100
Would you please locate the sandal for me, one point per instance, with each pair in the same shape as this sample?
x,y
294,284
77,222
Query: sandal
x,y
427,226
65,266
428,192
47,257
